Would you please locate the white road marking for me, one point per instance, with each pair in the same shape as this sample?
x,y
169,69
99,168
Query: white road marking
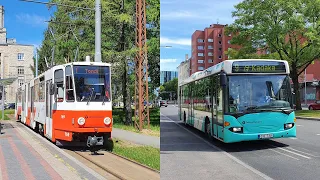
x,y
174,144
293,138
318,134
302,152
229,155
291,152
299,125
284,154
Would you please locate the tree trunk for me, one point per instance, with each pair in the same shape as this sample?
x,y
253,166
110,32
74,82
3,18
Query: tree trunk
x,y
296,88
125,78
126,96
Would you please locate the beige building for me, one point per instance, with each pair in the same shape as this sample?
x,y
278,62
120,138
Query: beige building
x,y
184,70
15,61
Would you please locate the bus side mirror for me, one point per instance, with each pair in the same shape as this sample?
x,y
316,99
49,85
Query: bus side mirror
x,y
223,79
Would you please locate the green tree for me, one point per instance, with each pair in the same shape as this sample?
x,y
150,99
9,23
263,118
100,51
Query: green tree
x,y
288,28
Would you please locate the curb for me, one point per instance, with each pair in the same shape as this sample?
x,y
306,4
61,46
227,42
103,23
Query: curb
x,y
308,118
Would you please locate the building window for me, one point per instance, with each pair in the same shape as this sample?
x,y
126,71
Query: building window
x,y
268,51
210,61
210,54
219,35
220,57
210,40
20,82
229,35
220,42
201,61
200,40
200,54
228,41
200,47
210,47
20,56
20,70
200,68
220,49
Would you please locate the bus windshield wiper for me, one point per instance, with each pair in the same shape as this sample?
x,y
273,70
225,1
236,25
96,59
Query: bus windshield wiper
x,y
252,107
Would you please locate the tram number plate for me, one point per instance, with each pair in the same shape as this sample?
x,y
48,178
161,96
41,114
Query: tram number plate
x,y
265,136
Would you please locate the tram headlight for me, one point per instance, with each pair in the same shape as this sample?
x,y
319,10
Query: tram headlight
x,y
107,120
288,125
81,121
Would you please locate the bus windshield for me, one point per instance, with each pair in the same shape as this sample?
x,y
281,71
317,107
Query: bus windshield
x,y
92,83
248,93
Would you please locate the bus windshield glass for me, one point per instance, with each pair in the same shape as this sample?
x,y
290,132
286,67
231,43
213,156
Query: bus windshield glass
x,y
92,83
251,93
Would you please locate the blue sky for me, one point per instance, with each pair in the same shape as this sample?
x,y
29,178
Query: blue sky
x,y
180,18
25,21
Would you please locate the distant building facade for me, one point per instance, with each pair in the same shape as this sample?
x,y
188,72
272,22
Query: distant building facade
x,y
184,69
208,47
15,61
166,76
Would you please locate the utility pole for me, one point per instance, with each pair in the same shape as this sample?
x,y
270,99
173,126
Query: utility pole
x,y
141,67
305,87
97,57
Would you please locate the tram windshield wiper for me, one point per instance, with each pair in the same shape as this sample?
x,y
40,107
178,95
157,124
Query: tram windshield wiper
x,y
104,97
90,96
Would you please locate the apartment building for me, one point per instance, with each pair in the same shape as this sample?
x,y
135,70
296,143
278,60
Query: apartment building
x,y
209,47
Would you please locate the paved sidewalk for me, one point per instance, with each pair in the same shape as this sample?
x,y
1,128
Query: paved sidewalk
x,y
136,138
308,118
23,155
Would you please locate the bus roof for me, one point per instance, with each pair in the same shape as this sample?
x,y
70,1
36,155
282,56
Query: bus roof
x,y
242,66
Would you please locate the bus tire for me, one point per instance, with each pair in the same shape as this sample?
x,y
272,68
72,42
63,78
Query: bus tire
x,y
207,128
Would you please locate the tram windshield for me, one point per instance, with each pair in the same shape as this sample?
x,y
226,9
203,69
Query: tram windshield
x,y
92,83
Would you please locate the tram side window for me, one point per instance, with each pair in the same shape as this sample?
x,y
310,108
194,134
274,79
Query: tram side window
x,y
58,80
69,85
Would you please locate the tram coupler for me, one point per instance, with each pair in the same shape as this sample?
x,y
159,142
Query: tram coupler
x,y
94,141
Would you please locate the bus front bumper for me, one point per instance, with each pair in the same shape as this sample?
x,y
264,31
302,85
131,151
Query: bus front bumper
x,y
231,137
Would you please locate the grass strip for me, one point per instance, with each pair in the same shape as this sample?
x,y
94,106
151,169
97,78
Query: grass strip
x,y
145,155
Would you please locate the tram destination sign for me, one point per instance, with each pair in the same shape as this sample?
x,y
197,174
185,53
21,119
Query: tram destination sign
x,y
258,67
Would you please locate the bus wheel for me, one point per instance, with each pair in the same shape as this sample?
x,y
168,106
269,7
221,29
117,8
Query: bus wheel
x,y
207,127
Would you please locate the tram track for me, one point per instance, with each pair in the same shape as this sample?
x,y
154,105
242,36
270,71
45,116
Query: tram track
x,y
110,170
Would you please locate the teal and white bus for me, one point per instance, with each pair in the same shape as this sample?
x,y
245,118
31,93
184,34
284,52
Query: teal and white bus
x,y
239,100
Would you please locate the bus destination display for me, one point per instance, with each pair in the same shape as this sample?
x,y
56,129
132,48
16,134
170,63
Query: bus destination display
x,y
258,67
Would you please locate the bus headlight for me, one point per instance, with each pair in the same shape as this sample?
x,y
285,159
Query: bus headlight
x,y
236,129
81,121
288,125
107,121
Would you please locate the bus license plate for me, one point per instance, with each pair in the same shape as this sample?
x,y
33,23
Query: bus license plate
x,y
265,136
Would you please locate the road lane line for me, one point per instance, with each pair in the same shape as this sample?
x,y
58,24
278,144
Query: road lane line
x,y
173,144
227,154
291,152
318,134
302,152
284,154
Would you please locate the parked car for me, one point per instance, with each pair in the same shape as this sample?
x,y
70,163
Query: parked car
x,y
10,106
163,103
315,105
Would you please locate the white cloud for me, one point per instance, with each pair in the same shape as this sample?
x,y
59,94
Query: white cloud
x,y
179,41
168,60
33,19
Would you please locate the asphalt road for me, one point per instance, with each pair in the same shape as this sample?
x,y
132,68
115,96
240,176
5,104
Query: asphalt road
x,y
186,156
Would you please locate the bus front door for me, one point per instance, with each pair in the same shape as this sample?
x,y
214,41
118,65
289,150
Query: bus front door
x,y
190,108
